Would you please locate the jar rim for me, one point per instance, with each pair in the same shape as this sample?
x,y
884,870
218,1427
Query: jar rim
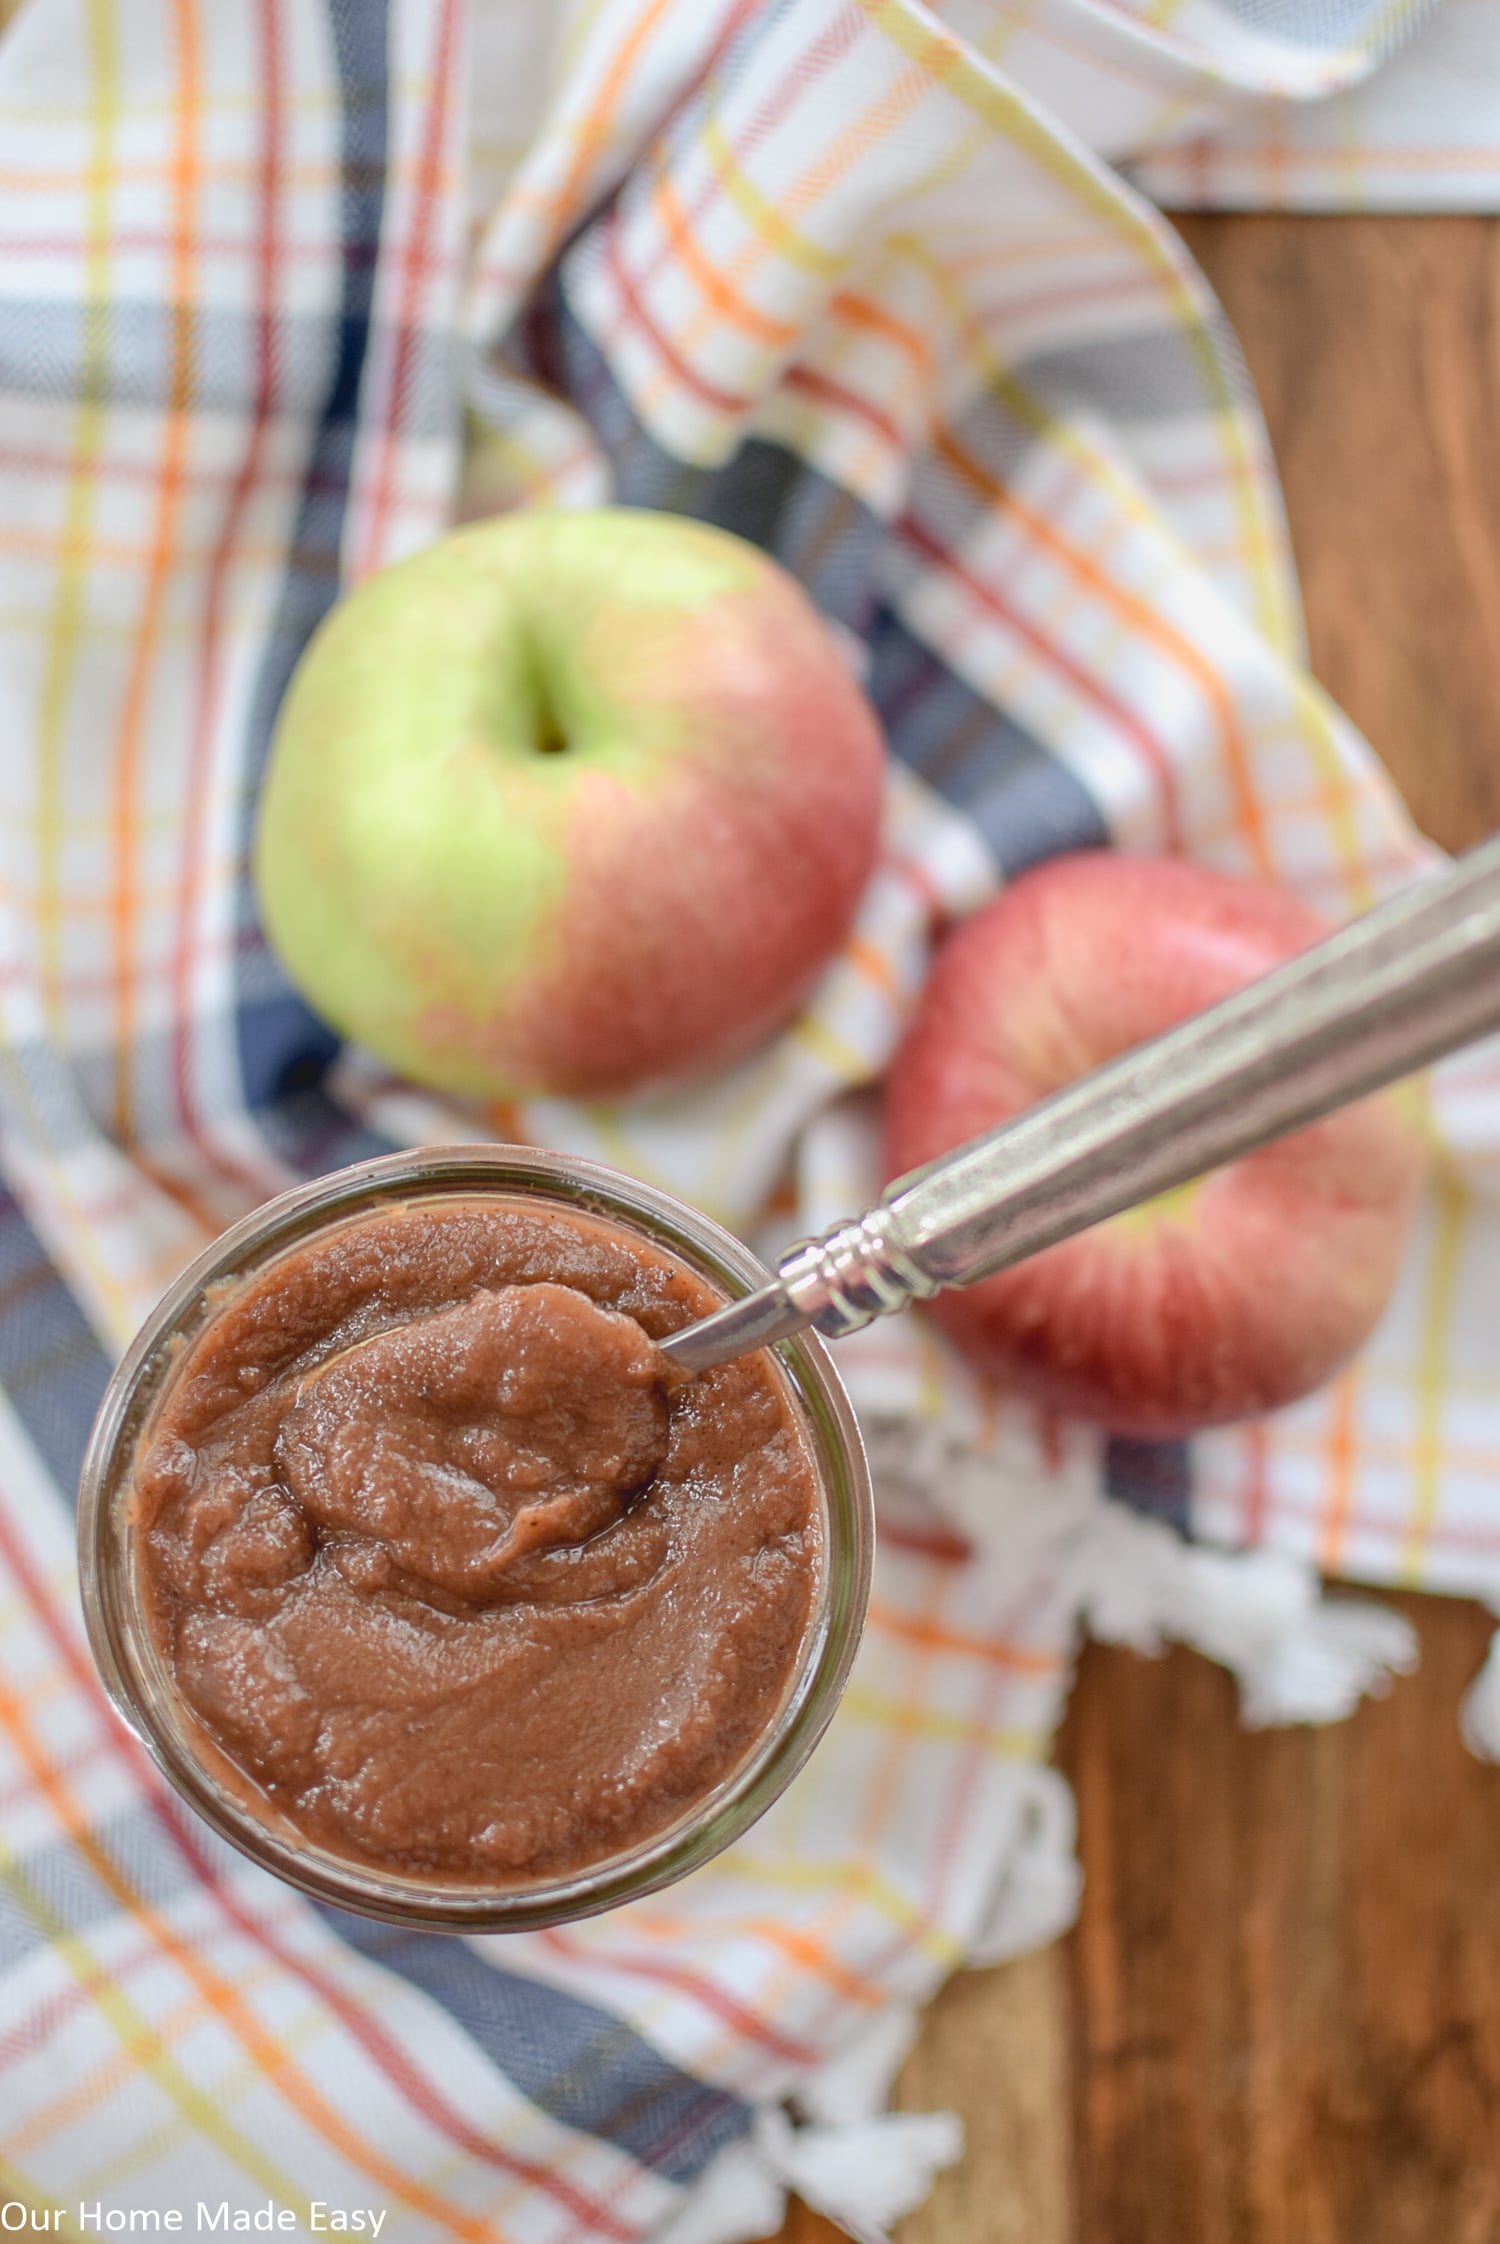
x,y
135,1677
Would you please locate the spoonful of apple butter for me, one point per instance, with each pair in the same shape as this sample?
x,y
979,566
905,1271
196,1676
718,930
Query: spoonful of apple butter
x,y
445,1451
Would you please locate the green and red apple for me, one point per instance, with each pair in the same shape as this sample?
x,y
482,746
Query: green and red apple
x,y
569,803
1225,1298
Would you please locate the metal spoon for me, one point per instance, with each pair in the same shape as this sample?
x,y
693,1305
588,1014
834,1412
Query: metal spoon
x,y
1414,979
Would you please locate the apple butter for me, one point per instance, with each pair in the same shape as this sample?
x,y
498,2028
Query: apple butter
x,y
456,1571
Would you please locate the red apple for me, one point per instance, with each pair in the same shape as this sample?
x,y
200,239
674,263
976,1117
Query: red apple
x,y
569,803
1226,1297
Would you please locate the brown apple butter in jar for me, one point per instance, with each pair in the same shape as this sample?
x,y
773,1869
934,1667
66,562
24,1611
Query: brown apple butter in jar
x,y
458,1575
426,1582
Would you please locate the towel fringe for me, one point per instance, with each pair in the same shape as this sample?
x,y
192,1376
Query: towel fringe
x,y
861,2176
1035,1895
1298,1656
1479,1716
838,2147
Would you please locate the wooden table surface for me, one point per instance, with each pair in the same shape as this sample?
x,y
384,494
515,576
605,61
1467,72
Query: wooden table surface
x,y
1278,2019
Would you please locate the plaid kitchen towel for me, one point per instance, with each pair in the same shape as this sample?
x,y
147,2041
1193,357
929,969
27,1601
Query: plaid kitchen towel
x,y
1417,133
853,277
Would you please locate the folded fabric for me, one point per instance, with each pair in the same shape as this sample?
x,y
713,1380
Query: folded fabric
x,y
853,278
1415,133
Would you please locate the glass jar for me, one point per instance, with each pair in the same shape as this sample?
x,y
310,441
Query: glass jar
x,y
143,1690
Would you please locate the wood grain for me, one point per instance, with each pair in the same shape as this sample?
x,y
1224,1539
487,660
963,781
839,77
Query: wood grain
x,y
1278,2021
1375,347
1286,1980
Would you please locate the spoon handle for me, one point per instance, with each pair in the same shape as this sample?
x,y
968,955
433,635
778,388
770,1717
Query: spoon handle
x,y
1416,978
1381,998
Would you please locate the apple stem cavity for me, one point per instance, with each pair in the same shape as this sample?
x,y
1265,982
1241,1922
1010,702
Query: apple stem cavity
x,y
549,736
